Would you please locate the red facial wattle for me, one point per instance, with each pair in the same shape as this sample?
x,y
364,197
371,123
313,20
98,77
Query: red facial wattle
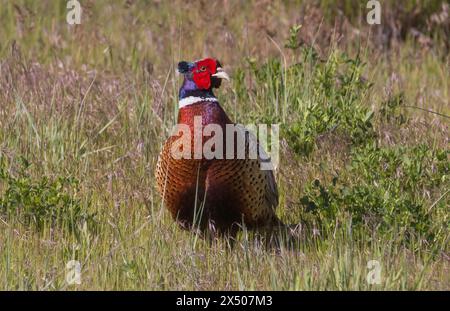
x,y
201,74
202,80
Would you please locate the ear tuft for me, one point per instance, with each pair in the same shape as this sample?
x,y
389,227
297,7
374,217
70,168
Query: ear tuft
x,y
183,67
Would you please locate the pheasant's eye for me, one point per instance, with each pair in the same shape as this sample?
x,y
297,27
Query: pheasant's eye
x,y
202,68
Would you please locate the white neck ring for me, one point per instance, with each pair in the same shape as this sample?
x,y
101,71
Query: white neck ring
x,y
190,100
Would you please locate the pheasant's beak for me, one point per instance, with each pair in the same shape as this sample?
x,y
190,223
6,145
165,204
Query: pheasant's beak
x,y
221,74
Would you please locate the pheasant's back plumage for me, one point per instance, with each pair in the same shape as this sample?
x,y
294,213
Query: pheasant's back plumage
x,y
218,192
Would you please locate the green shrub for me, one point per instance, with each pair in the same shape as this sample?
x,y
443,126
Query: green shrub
x,y
386,188
335,104
309,99
42,202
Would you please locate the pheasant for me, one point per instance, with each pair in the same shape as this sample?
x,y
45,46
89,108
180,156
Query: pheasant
x,y
218,194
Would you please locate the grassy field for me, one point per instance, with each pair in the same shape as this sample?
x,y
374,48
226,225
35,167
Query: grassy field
x,y
364,166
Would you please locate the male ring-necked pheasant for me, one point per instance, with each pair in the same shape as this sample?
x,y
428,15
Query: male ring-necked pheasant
x,y
218,194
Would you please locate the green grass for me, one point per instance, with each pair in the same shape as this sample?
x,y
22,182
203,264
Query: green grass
x,y
84,111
